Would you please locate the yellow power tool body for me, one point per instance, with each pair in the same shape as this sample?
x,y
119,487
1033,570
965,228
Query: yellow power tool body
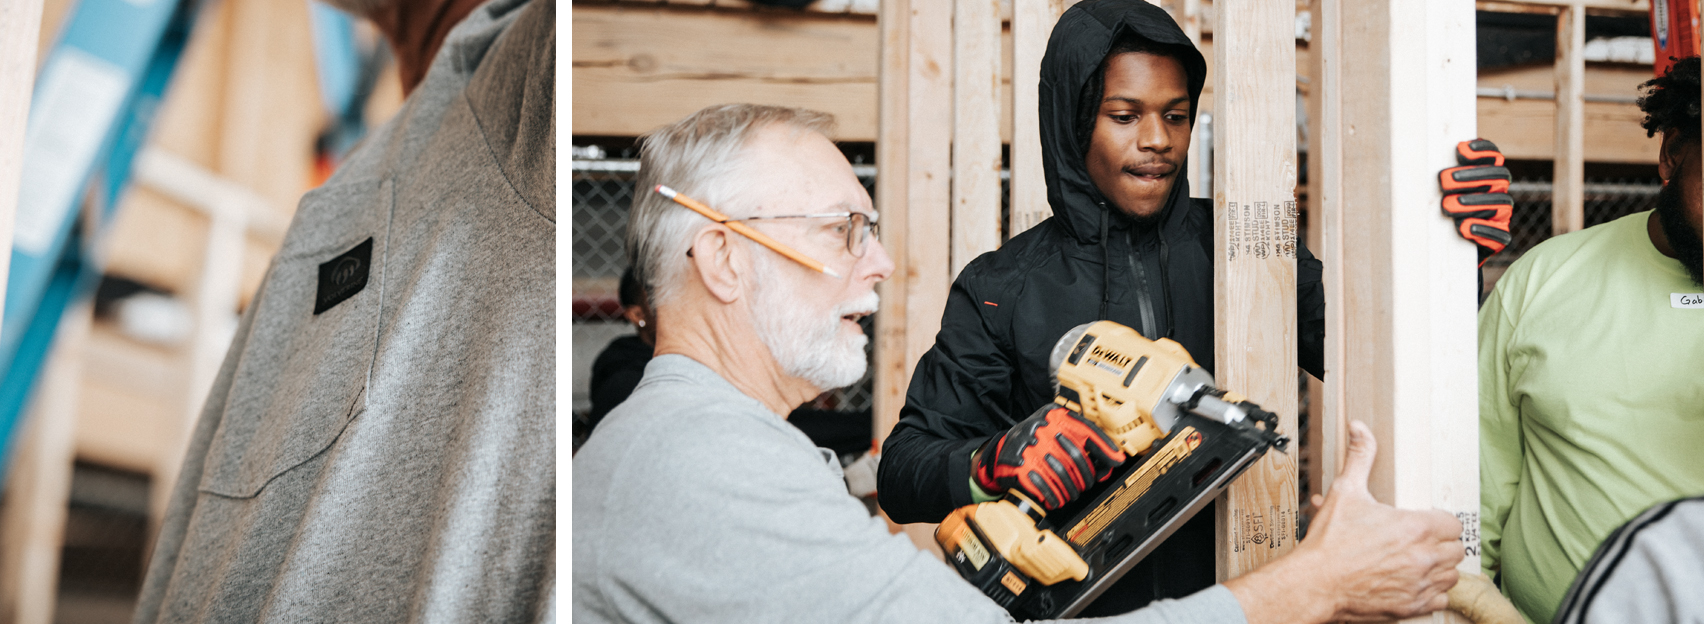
x,y
1187,440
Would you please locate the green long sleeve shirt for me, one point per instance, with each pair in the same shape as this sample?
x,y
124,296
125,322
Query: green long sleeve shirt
x,y
1591,369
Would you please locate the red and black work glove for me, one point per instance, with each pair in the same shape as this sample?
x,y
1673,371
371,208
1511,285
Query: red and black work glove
x,y
1052,456
1476,195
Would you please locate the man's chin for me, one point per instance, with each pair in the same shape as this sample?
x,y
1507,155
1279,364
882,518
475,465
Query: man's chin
x,y
1683,239
1145,217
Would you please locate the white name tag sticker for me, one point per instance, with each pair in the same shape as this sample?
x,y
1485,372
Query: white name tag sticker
x,y
1686,301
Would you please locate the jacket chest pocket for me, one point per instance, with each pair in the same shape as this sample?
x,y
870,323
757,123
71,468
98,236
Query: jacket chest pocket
x,y
301,371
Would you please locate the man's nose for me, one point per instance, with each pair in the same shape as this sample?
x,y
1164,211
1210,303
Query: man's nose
x,y
1151,135
875,263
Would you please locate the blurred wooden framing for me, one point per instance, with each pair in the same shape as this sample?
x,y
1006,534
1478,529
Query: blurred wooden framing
x,y
25,530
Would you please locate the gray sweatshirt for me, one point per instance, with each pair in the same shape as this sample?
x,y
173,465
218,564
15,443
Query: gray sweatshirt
x,y
695,503
1649,570
379,444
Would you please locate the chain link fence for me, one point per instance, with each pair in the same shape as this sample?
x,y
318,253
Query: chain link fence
x,y
1605,200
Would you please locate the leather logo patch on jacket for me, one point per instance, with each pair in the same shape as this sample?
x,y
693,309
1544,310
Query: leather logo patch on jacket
x,y
341,277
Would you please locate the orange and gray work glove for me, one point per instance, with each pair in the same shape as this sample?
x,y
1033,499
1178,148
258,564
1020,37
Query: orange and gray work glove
x,y
1052,457
1476,195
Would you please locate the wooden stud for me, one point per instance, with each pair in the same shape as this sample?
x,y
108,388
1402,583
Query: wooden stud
x,y
914,166
1032,23
1325,180
927,185
1567,207
976,131
32,523
270,101
891,372
33,520
1400,300
926,179
1254,173
1199,167
20,23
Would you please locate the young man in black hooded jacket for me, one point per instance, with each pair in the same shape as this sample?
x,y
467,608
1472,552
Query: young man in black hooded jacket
x,y
1119,87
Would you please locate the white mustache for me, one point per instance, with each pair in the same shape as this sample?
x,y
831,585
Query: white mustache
x,y
865,305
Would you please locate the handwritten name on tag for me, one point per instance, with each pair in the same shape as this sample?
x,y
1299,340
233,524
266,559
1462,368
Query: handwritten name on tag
x,y
1687,301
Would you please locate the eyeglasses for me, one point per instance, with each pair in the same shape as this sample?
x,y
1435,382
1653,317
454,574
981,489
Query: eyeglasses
x,y
858,227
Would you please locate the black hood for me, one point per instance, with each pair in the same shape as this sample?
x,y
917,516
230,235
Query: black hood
x,y
1074,52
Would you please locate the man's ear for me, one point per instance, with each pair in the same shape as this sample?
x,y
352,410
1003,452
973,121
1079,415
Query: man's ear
x,y
635,315
1668,155
720,263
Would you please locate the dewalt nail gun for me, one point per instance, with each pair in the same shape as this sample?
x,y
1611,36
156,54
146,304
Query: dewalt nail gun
x,y
1186,440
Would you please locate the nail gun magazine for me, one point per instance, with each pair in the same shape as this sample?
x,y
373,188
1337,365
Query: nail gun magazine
x,y
1187,440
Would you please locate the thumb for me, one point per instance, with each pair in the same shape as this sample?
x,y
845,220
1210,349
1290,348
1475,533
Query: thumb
x,y
1358,465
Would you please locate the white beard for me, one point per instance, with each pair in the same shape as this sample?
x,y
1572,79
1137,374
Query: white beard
x,y
813,349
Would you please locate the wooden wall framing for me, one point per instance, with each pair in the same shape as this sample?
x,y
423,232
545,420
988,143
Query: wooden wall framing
x,y
1254,215
938,155
976,130
1032,23
914,160
1400,300
1567,195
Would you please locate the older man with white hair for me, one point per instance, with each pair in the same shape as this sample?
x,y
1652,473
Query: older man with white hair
x,y
698,502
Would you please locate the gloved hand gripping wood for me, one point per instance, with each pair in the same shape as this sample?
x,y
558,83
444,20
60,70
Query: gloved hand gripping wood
x,y
1052,456
1476,195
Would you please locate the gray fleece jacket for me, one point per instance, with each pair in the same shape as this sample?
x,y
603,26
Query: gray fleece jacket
x,y
379,444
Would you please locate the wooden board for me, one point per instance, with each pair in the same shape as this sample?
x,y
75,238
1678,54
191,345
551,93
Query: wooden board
x,y
1032,23
914,165
20,23
1601,79
635,69
1254,173
1400,300
38,488
1629,6
1325,175
156,241
1526,130
128,388
976,131
628,80
890,371
1568,202
271,106
1187,14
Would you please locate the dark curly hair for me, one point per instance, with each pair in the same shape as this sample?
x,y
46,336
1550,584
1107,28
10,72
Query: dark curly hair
x,y
1670,102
